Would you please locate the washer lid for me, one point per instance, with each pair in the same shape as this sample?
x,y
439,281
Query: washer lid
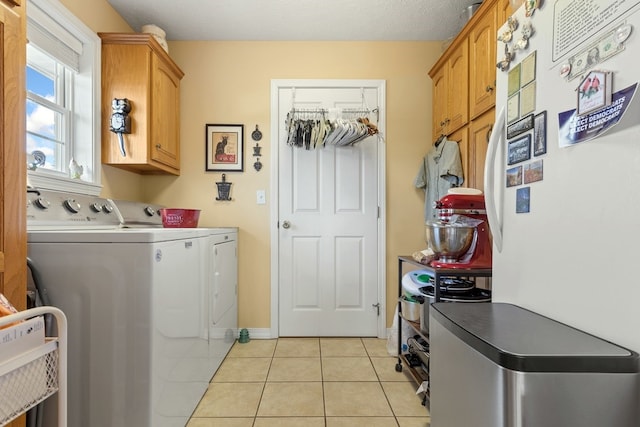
x,y
120,235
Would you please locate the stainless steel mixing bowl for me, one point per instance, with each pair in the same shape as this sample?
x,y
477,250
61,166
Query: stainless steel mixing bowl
x,y
449,242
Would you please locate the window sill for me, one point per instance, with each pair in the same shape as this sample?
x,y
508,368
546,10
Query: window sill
x,y
41,181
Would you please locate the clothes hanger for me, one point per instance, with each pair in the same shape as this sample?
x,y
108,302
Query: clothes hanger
x,y
439,140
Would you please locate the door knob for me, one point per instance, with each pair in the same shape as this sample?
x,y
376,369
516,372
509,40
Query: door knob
x,y
286,224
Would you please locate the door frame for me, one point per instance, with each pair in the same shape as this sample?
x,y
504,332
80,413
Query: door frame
x,y
276,85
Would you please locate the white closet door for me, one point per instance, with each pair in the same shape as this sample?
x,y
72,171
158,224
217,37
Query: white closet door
x,y
328,283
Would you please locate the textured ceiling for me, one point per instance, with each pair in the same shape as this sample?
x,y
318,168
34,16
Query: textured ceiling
x,y
298,19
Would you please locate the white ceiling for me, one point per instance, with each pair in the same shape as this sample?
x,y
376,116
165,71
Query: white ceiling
x,y
304,20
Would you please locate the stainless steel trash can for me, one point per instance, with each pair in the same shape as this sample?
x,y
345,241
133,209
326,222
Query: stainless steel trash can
x,y
499,365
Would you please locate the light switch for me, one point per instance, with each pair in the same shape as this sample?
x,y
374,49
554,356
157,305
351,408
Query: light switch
x,y
261,197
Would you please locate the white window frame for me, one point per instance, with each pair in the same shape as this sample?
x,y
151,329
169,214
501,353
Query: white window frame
x,y
86,128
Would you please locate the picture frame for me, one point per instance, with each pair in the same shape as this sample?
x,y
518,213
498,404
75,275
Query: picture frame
x,y
528,69
520,126
523,200
224,145
519,150
533,171
528,98
513,108
594,92
514,176
513,81
540,133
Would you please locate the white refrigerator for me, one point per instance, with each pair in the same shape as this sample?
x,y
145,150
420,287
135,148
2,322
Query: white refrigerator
x,y
562,178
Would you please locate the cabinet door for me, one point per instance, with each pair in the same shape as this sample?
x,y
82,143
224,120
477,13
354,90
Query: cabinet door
x,y
482,58
165,112
504,12
13,201
440,100
13,198
480,131
461,136
458,82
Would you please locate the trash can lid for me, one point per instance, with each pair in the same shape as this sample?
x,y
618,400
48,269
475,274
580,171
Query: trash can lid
x,y
518,339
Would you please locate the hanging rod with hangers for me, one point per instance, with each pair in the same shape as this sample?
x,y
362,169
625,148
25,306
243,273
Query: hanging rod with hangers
x,y
375,111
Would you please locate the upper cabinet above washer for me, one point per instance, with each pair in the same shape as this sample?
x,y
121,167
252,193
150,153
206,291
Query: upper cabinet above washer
x,y
136,67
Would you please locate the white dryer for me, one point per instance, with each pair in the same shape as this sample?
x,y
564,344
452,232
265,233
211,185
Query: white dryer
x,y
142,342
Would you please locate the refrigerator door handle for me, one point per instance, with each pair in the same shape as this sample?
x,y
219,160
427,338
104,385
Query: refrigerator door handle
x,y
489,173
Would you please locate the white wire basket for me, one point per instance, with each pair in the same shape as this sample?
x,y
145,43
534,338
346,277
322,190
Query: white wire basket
x,y
32,376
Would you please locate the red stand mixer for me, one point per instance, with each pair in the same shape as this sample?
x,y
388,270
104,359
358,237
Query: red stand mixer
x,y
478,254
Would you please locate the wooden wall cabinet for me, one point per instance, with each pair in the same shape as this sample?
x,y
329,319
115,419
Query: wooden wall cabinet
x,y
482,63
134,66
451,92
463,83
479,132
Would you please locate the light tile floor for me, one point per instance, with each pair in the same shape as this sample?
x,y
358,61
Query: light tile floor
x,y
310,382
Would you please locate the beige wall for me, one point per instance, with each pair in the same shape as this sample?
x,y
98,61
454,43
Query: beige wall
x,y
229,82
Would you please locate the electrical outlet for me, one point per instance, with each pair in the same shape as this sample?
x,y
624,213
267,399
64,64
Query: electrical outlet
x,y
261,197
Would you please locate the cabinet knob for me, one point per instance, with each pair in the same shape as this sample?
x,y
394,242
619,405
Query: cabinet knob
x,y
158,146
489,88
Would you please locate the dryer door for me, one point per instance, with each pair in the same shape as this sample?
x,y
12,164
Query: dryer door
x,y
225,279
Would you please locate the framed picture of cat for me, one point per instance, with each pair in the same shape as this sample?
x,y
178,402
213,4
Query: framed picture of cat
x,y
224,147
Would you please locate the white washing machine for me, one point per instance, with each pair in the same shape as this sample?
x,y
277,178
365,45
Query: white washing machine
x,y
145,332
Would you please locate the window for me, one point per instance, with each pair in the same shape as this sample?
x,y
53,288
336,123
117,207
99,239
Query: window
x,y
63,100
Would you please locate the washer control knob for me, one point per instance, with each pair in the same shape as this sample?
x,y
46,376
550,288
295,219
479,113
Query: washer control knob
x,y
149,211
107,208
42,203
95,207
72,206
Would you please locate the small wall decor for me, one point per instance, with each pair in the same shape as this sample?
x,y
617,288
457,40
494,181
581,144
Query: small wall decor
x,y
533,172
514,176
257,165
256,135
528,99
224,147
608,45
528,69
513,108
519,127
523,199
513,82
594,92
519,150
540,134
224,189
